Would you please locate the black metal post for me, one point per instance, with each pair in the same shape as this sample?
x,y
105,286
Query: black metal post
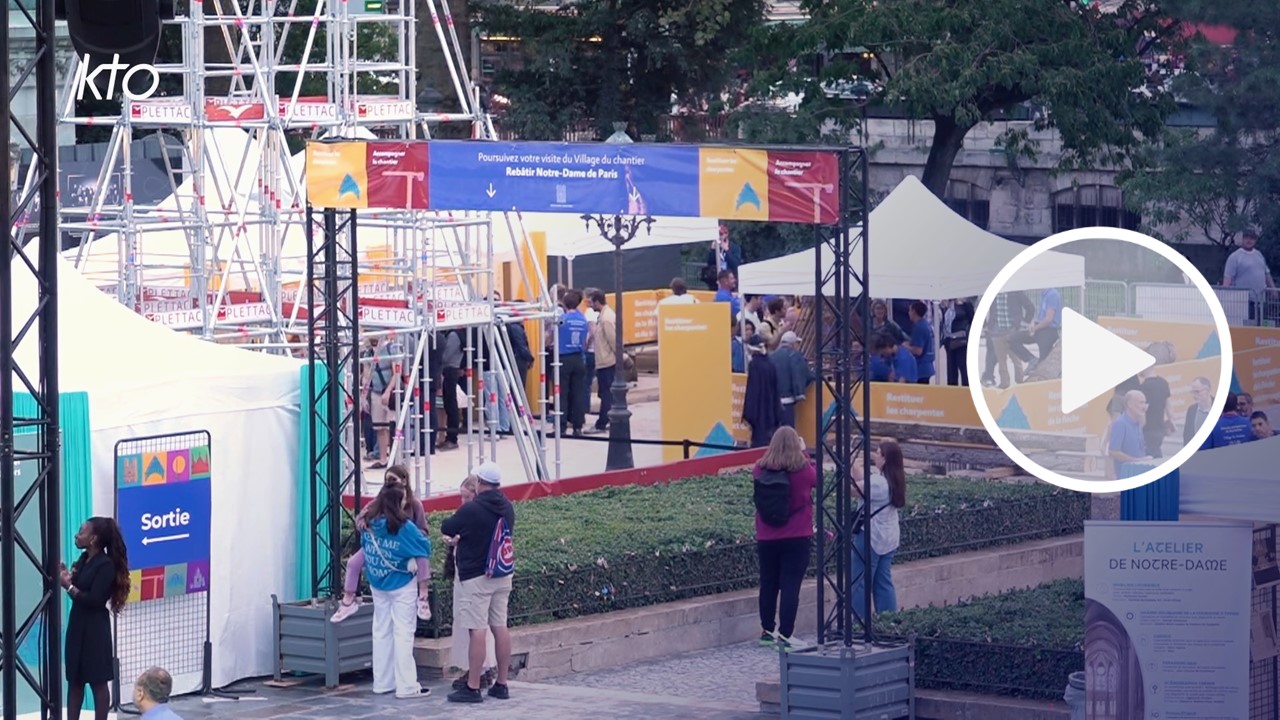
x,y
619,231
840,317
39,420
333,338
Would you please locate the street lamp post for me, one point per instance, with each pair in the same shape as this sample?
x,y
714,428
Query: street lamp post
x,y
619,231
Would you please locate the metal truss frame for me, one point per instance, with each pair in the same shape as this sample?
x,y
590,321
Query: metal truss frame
x,y
225,257
42,500
844,433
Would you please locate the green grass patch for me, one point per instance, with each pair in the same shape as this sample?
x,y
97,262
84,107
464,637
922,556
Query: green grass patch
x,y
638,545
1023,643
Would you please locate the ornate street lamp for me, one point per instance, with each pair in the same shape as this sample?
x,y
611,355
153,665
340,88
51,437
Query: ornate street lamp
x,y
619,231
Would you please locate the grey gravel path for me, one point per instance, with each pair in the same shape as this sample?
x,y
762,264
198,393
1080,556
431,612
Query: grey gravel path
x,y
528,702
728,674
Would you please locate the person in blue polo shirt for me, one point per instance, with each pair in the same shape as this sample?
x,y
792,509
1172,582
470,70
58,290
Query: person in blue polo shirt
x,y
922,344
892,362
573,365
1043,332
1126,442
1232,428
727,283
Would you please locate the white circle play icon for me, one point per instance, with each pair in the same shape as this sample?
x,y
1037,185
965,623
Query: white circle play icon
x,y
1075,395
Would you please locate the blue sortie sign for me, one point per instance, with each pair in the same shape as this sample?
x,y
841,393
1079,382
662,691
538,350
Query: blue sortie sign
x,y
165,524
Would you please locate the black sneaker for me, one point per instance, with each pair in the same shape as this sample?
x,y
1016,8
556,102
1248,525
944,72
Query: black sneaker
x,y
460,683
466,695
500,691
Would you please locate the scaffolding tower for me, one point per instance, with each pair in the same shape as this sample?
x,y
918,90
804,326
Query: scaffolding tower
x,y
227,255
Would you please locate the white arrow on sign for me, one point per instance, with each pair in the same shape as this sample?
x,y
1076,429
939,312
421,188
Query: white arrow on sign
x,y
166,538
490,192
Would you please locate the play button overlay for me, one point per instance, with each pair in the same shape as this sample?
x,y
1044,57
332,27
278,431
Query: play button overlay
x,y
1095,360
1096,347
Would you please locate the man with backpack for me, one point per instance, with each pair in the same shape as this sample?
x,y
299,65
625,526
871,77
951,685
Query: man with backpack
x,y
486,562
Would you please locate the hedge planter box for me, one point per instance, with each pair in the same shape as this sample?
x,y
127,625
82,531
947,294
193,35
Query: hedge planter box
x,y
847,683
306,642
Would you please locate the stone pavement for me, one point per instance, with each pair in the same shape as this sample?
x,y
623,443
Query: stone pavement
x,y
725,674
528,701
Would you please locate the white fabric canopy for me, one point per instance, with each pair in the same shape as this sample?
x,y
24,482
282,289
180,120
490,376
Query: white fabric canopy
x,y
1239,482
143,379
569,236
920,249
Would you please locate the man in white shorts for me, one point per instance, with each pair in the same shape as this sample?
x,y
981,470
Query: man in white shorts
x,y
486,563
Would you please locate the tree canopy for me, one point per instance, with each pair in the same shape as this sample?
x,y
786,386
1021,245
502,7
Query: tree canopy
x,y
963,63
615,60
1225,178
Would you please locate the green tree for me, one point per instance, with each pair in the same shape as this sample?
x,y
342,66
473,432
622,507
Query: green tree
x,y
963,63
1224,178
616,60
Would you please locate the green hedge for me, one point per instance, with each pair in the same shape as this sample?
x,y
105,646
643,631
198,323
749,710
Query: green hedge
x,y
636,545
1023,643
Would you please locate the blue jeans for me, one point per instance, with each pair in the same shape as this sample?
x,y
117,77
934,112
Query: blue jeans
x,y
497,410
883,596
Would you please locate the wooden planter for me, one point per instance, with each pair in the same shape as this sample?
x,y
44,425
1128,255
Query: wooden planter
x,y
306,642
848,683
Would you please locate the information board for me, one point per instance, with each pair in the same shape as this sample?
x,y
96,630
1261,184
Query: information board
x,y
729,183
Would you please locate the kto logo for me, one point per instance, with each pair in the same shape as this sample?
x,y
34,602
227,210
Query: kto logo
x,y
89,80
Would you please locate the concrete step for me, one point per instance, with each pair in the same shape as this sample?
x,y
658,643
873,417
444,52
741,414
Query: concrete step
x,y
938,705
597,642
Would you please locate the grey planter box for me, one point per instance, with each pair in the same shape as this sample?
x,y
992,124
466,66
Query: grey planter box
x,y
860,682
306,642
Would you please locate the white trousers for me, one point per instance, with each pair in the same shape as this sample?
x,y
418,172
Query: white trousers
x,y
395,618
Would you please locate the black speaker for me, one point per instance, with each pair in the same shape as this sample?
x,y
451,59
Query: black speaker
x,y
103,29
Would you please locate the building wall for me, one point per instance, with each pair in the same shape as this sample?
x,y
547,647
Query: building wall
x,y
1020,195
20,52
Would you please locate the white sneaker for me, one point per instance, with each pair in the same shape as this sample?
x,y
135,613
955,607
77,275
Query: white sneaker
x,y
345,611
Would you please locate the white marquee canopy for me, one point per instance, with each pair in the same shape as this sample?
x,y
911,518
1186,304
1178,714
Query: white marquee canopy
x,y
920,249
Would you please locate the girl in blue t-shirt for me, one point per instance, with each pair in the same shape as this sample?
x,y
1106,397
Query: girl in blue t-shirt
x,y
392,546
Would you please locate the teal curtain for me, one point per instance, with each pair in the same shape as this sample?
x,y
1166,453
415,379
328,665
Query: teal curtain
x,y
310,478
77,495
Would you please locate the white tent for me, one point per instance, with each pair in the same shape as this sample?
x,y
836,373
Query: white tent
x,y
920,249
569,236
143,379
1239,482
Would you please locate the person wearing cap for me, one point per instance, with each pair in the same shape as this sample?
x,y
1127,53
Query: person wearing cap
x,y
794,375
485,560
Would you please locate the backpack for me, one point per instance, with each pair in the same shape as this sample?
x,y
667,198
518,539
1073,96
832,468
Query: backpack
x,y
501,559
772,497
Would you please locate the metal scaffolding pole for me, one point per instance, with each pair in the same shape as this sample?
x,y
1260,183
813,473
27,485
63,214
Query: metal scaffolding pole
x,y
29,431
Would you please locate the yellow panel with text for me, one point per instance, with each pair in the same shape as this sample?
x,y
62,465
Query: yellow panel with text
x,y
741,429
694,378
733,184
639,315
533,265
1189,341
337,175
1258,371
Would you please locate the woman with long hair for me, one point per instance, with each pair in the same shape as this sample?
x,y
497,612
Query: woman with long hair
x,y
784,532
395,475
888,494
392,543
462,640
98,584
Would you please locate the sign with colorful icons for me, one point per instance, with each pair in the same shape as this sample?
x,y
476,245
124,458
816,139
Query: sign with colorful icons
x,y
163,505
730,183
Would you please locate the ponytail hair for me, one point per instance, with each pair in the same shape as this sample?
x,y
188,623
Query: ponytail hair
x,y
111,543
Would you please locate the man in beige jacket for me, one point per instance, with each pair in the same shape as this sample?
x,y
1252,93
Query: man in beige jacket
x,y
606,355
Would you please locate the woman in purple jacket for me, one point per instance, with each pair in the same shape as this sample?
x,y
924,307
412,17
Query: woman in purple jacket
x,y
784,549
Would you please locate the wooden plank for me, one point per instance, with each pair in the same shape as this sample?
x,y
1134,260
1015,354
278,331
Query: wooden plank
x,y
1024,439
989,457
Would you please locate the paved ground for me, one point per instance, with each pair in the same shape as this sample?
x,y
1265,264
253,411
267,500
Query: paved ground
x,y
727,674
528,702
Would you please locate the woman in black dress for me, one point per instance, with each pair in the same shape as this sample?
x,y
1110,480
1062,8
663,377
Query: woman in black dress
x,y
98,584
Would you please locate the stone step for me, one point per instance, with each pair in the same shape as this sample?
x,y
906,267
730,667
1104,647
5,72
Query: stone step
x,y
597,642
938,705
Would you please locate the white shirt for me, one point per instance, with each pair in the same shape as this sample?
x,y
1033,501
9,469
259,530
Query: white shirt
x,y
885,533
685,299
